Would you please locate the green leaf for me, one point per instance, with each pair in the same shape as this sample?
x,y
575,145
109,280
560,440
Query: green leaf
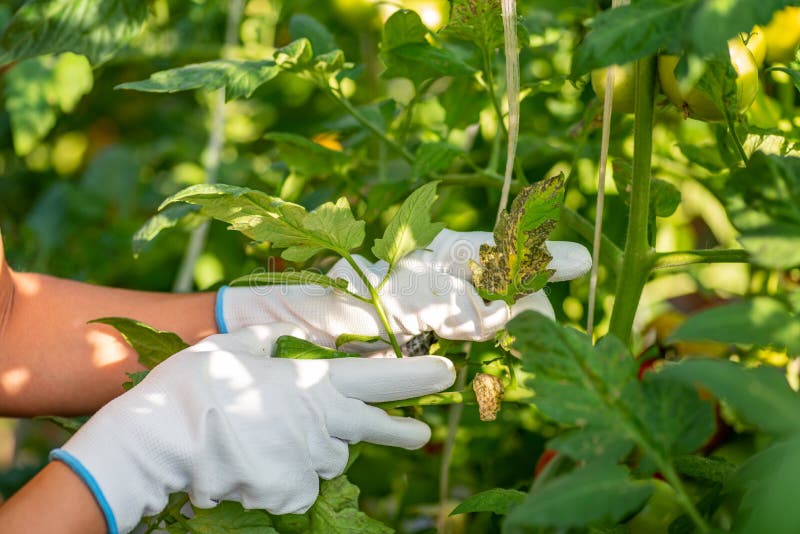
x,y
761,396
307,157
585,444
517,264
239,77
716,21
707,470
336,511
411,228
265,218
664,197
296,56
37,90
407,53
97,29
289,278
319,36
154,346
762,201
70,424
167,218
597,388
230,517
769,482
478,21
761,321
497,500
630,32
299,349
433,157
134,379
595,493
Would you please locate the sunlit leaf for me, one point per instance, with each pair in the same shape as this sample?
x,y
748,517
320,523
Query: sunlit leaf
x,y
498,501
411,228
239,77
153,346
97,29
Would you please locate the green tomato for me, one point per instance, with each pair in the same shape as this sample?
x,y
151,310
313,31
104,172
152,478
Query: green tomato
x,y
757,44
783,35
661,509
698,104
623,100
360,14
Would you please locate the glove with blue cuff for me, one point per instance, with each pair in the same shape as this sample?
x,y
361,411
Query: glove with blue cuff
x,y
222,420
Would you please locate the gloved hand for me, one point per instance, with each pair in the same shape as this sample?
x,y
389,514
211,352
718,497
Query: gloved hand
x,y
429,290
222,420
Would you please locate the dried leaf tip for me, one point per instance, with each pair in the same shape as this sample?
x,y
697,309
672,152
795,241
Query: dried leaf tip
x,y
489,392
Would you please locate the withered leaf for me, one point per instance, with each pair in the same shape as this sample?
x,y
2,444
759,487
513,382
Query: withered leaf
x,y
517,264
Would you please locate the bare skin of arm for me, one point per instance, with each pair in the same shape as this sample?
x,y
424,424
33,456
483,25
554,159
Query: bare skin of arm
x,y
53,362
55,500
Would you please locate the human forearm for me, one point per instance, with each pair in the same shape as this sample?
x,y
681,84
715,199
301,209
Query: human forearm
x,y
70,506
52,361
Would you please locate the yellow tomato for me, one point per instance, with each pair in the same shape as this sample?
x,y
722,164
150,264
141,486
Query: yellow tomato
x,y
698,104
757,44
623,100
783,35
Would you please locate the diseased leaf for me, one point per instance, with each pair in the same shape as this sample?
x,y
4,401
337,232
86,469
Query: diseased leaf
x,y
154,346
286,225
344,339
300,349
307,157
516,265
97,29
597,492
230,517
497,500
296,56
478,21
239,77
134,379
411,228
336,511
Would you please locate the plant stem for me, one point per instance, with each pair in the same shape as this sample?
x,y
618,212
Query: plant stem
x,y
369,125
668,471
681,258
376,303
467,396
637,259
736,141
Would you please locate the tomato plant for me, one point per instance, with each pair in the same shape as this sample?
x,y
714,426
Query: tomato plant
x,y
320,132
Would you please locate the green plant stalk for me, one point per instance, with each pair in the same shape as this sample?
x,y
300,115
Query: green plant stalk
x,y
376,303
637,258
467,396
682,258
736,141
369,125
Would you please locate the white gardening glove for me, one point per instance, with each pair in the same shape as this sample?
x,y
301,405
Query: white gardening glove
x,y
222,420
429,290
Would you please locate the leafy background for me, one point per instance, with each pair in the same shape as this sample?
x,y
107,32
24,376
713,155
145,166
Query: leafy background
x,y
84,165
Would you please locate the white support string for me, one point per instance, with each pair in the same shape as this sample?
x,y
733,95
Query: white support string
x,y
605,136
512,90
